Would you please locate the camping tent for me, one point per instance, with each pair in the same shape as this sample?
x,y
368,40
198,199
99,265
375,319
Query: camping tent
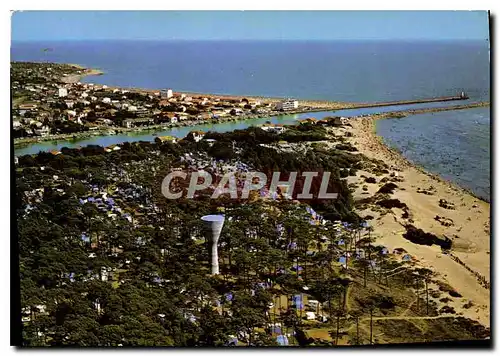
x,y
282,340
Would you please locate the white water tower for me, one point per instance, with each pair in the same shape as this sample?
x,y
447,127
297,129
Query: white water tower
x,y
213,227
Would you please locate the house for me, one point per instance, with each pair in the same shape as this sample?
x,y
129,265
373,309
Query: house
x,y
44,131
210,141
195,136
275,128
313,303
106,100
62,92
69,103
55,152
162,139
310,120
129,123
16,160
112,148
204,116
141,111
288,104
339,121
310,316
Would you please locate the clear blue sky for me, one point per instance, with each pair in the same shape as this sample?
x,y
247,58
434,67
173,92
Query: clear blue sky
x,y
238,25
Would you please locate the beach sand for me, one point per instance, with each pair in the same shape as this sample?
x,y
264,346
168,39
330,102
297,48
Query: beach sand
x,y
75,78
470,231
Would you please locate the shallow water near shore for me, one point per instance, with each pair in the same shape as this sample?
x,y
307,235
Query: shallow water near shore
x,y
455,145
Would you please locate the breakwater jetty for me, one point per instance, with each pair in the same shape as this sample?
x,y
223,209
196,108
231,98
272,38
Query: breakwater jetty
x,y
404,113
462,96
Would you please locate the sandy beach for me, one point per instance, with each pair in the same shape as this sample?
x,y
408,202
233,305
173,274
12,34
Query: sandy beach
x,y
467,224
75,78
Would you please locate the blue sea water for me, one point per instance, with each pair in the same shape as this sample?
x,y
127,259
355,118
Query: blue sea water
x,y
454,144
359,71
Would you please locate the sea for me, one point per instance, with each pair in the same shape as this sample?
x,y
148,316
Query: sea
x,y
453,144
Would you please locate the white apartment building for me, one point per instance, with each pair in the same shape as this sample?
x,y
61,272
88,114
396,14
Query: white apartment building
x,y
166,94
288,104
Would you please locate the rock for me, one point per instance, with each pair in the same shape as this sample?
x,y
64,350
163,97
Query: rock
x,y
447,309
392,203
370,180
387,188
424,191
447,205
421,237
444,221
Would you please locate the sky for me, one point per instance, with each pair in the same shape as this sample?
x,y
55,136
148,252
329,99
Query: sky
x,y
248,25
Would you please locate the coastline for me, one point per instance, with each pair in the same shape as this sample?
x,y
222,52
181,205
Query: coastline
x,y
467,266
75,78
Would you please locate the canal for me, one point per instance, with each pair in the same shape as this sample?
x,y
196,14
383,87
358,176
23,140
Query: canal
x,y
181,132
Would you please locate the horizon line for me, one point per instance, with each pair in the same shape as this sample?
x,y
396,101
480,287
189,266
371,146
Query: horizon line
x,y
245,39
